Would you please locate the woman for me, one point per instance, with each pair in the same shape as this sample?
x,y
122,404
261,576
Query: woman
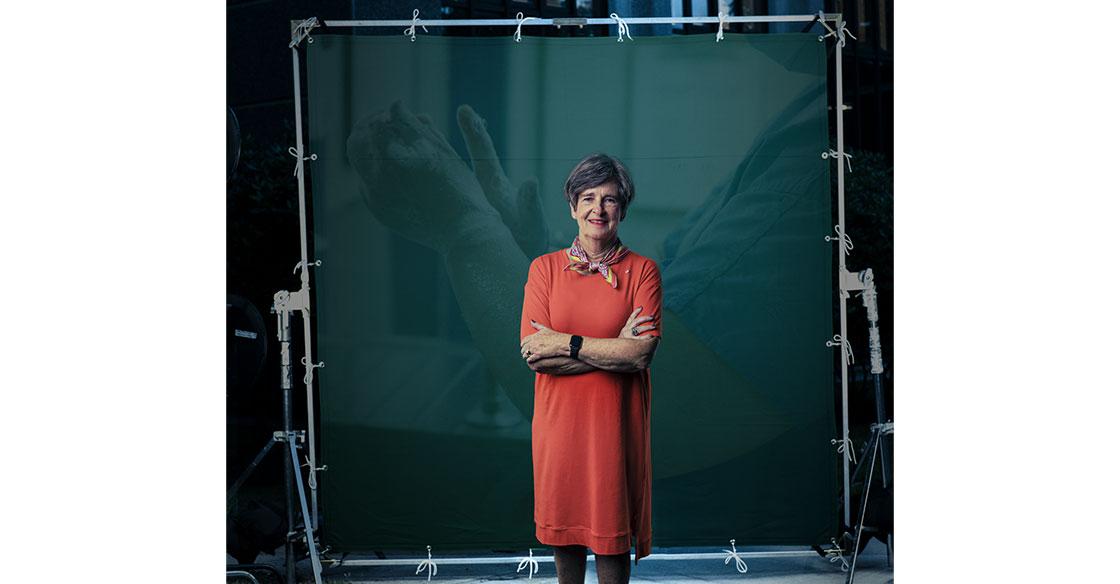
x,y
589,329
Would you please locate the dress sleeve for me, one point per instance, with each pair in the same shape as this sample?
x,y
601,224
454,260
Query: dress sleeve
x,y
648,296
535,306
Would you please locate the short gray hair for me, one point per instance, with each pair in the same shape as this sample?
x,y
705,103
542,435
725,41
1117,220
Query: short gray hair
x,y
595,170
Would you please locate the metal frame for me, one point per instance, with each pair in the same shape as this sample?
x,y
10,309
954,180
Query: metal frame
x,y
574,21
301,30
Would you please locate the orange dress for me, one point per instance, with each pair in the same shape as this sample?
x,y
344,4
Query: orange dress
x,y
591,438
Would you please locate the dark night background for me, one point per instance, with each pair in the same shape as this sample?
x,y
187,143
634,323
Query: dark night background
x,y
262,233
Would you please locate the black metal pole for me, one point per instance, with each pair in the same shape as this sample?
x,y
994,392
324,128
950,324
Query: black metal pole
x,y
881,418
285,335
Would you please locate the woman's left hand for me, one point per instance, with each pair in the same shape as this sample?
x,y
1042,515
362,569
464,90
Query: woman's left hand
x,y
543,344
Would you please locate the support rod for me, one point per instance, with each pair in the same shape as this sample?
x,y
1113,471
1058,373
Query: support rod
x,y
304,277
841,251
312,549
590,557
305,288
291,474
580,21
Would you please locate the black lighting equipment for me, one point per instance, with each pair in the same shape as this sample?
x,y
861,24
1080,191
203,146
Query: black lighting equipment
x,y
246,344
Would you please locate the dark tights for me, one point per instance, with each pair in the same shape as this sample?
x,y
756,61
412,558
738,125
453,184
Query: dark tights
x,y
571,566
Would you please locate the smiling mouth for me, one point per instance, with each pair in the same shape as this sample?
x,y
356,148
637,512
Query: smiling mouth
x,y
596,222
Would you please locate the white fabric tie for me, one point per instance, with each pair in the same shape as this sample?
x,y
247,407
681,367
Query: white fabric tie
x,y
622,27
733,554
303,30
839,32
311,475
298,171
429,564
835,553
844,31
719,31
834,154
841,237
820,19
299,265
521,18
310,369
411,31
845,448
837,341
531,562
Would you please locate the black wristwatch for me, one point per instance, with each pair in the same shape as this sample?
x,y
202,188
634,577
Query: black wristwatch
x,y
574,346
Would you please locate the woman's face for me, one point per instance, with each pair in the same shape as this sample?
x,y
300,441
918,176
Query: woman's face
x,y
598,212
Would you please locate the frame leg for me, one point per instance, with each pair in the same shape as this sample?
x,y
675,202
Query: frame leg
x,y
316,567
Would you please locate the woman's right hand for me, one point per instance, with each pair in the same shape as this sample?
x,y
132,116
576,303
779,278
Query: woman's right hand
x,y
633,328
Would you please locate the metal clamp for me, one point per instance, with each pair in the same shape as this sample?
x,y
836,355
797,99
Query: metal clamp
x,y
299,436
290,301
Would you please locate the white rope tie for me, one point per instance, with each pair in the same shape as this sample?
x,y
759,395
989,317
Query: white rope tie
x,y
838,341
622,27
820,19
299,264
311,482
531,562
310,369
834,154
841,237
836,553
846,447
429,564
411,31
733,554
302,31
719,31
298,171
844,31
521,18
839,32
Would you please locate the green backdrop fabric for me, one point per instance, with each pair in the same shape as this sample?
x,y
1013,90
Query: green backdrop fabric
x,y
439,176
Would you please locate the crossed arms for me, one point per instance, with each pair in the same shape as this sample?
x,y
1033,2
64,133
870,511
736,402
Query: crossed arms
x,y
548,351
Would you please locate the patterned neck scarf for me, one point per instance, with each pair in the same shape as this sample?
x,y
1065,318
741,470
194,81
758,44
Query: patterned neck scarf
x,y
580,263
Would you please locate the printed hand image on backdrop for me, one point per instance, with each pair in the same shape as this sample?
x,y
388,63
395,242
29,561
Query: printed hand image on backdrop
x,y
439,179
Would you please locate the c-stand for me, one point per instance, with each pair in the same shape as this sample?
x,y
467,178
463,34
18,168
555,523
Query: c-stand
x,y
284,303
